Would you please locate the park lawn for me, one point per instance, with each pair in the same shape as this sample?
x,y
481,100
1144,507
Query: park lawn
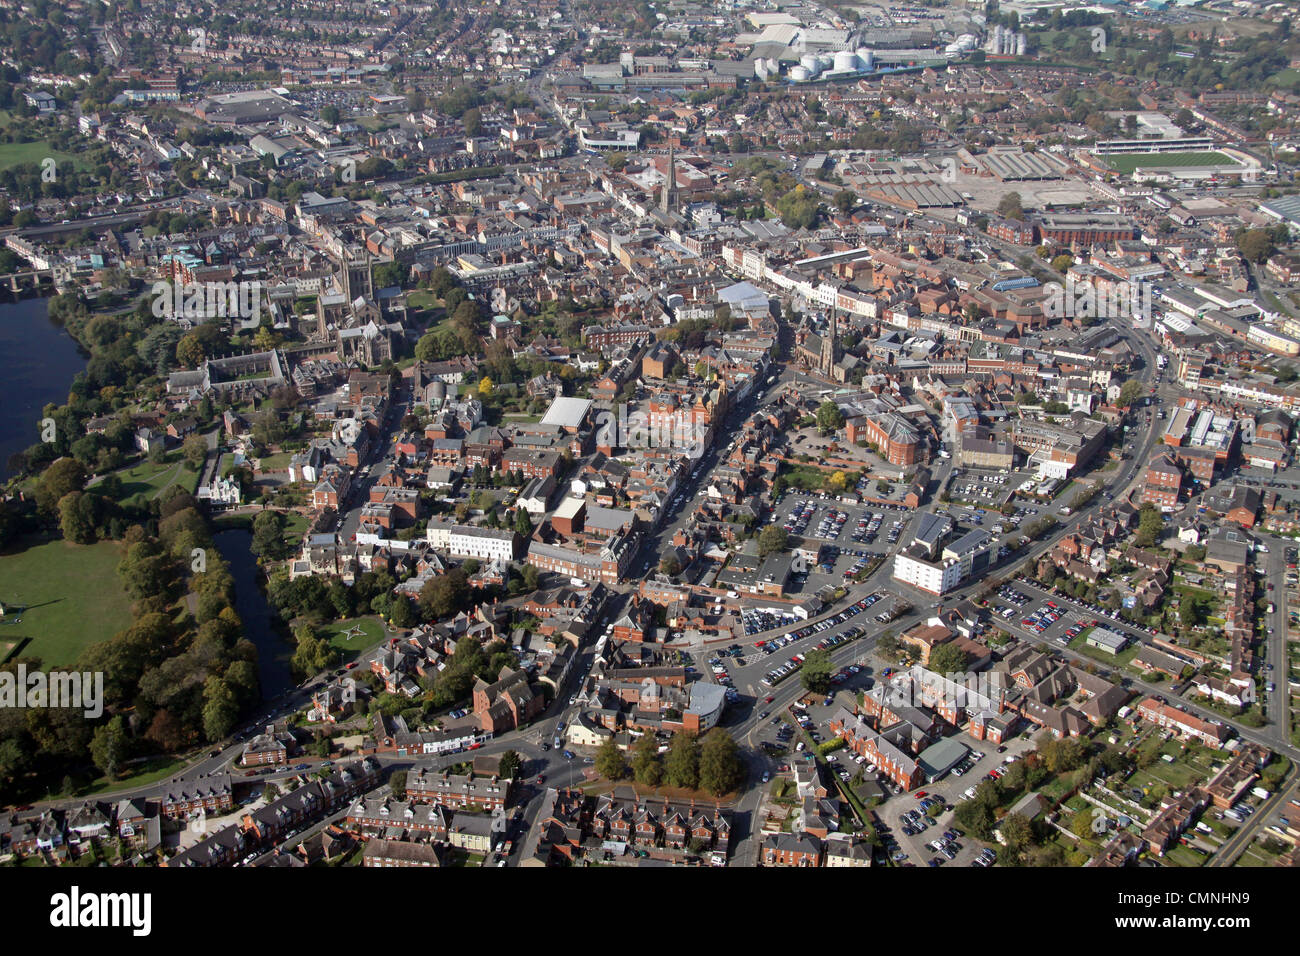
x,y
149,480
336,633
422,299
15,154
72,594
277,462
150,771
295,527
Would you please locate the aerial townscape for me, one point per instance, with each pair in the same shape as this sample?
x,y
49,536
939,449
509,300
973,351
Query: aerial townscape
x,y
646,433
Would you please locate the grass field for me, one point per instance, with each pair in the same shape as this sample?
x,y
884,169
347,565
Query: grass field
x,y
149,480
1131,161
336,633
14,154
72,595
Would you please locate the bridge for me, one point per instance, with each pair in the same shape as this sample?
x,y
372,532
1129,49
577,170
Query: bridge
x,y
33,279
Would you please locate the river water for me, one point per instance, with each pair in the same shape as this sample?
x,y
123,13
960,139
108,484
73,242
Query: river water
x,y
273,651
38,361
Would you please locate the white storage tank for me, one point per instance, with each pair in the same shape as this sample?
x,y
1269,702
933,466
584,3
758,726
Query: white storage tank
x,y
865,58
800,74
846,61
826,61
809,63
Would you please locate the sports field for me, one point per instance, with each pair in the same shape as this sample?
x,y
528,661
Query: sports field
x,y
1126,163
71,595
12,154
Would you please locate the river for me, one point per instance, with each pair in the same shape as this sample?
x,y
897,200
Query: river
x,y
273,651
38,361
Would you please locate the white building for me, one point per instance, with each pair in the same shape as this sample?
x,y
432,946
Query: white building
x,y
488,544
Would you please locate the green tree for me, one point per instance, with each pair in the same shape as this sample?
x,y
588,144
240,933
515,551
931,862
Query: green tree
x,y
268,536
682,764
63,477
76,524
816,671
511,764
195,450
610,762
829,417
948,659
220,708
647,768
721,767
772,539
1129,393
1009,206
1017,832
110,746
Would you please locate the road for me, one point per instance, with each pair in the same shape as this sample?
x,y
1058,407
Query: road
x,y
1246,834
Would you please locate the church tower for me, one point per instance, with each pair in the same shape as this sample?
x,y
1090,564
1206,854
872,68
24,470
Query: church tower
x,y
668,198
828,347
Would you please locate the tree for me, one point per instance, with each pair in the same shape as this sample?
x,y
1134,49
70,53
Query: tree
x,y
1017,833
189,351
816,671
1009,207
682,765
1150,526
1062,262
721,767
771,539
948,659
829,417
109,746
845,200
220,708
1255,244
195,450
610,762
511,765
445,594
647,768
1129,393
485,387
63,477
1064,755
397,782
268,536
473,121
523,523
74,520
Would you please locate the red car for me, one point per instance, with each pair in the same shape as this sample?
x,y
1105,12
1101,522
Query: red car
x,y
920,793
541,779
350,666
768,699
